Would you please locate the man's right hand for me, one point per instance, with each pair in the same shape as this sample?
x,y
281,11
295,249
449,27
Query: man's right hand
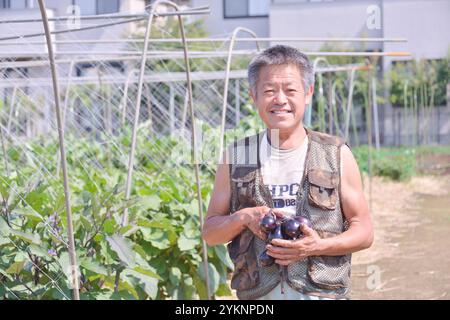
x,y
252,219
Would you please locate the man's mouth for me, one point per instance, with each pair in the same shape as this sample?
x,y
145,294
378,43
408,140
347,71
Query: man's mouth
x,y
280,111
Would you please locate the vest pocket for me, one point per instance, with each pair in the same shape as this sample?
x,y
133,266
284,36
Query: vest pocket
x,y
245,186
323,189
246,271
329,272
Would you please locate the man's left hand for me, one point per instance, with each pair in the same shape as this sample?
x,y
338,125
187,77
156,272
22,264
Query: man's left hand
x,y
286,252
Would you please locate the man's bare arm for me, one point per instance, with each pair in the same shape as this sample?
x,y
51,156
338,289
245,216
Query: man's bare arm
x,y
360,233
220,226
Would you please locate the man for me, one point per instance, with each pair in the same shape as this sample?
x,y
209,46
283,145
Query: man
x,y
294,171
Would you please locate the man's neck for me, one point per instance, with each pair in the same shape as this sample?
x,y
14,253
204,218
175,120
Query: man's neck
x,y
287,139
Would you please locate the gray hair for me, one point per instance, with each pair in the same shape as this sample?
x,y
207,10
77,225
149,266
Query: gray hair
x,y
279,55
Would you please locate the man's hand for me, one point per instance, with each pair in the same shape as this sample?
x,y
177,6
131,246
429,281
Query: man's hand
x,y
252,219
286,252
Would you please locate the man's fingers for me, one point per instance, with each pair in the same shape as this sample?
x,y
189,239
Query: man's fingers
x,y
284,243
283,256
278,214
307,231
282,250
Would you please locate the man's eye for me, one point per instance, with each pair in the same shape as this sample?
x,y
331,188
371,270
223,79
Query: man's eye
x,y
292,90
268,91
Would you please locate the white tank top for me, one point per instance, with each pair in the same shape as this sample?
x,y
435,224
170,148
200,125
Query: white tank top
x,y
282,171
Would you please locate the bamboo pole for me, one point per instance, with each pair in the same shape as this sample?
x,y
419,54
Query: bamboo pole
x,y
237,102
102,25
11,109
227,78
66,97
72,253
125,96
110,16
369,140
64,111
172,110
349,102
136,114
210,40
191,109
375,112
194,150
173,55
5,155
330,102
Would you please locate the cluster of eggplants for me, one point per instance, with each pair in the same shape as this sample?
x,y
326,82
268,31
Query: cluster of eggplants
x,y
287,228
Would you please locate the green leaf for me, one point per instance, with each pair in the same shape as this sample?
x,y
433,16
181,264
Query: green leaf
x,y
4,240
126,287
110,226
160,223
64,262
147,270
87,225
3,272
122,295
4,228
37,197
151,202
175,276
150,283
185,243
4,187
123,248
165,196
16,267
128,230
92,265
187,288
222,253
214,277
38,251
157,238
29,213
224,290
31,238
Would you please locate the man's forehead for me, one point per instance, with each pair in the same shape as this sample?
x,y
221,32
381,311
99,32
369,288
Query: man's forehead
x,y
276,73
287,80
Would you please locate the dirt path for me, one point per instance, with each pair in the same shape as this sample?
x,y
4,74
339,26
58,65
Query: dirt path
x,y
410,257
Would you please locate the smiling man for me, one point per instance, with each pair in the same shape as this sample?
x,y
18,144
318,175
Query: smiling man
x,y
293,171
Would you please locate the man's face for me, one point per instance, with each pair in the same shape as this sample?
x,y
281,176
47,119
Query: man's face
x,y
280,96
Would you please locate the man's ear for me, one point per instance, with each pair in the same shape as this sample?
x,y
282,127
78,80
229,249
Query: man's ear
x,y
252,95
309,94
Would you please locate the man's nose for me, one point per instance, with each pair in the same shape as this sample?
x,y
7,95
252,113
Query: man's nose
x,y
280,97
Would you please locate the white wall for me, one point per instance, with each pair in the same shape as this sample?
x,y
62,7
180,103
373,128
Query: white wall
x,y
60,8
216,24
17,29
426,25
322,19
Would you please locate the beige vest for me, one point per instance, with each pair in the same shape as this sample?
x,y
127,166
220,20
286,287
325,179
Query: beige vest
x,y
318,199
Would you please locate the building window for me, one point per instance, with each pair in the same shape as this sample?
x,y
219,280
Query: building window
x,y
15,4
245,8
91,7
5,4
107,6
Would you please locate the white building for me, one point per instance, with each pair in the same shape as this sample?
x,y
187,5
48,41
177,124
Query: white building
x,y
424,23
